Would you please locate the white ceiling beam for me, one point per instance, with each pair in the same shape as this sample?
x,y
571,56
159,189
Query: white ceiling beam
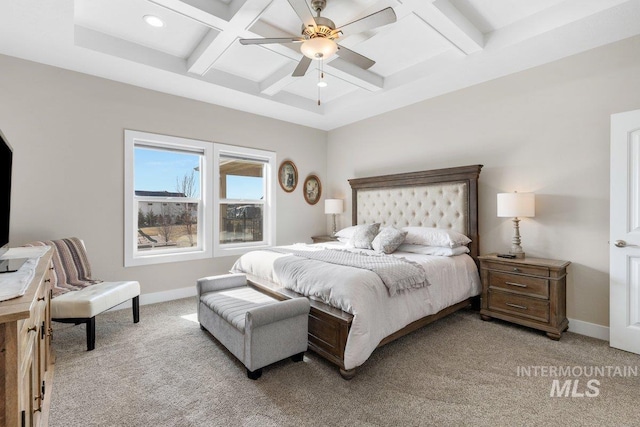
x,y
449,22
202,58
114,46
547,20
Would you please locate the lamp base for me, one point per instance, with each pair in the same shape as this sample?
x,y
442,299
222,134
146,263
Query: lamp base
x,y
516,249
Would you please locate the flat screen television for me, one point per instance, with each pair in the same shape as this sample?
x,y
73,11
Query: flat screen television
x,y
6,163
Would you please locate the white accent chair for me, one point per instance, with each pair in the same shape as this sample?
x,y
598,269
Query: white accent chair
x,y
77,298
84,305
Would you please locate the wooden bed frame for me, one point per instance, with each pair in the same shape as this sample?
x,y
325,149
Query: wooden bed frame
x,y
329,326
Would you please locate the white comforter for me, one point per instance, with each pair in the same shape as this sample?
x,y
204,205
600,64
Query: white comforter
x,y
362,293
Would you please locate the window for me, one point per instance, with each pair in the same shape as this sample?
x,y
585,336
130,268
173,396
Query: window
x,y
168,195
244,199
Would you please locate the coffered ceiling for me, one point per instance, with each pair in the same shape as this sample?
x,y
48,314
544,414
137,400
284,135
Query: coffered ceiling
x,y
434,47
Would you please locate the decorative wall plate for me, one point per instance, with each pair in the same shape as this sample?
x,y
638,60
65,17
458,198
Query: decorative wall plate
x,y
312,189
288,176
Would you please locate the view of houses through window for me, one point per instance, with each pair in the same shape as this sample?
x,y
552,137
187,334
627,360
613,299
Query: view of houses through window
x,y
187,199
167,192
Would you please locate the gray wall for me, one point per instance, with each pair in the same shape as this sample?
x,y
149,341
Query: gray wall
x,y
544,130
67,133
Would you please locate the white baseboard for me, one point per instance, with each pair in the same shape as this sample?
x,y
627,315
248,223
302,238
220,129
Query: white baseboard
x,y
589,329
157,297
577,326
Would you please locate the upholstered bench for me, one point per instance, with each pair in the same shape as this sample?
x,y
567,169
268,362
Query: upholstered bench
x,y
255,328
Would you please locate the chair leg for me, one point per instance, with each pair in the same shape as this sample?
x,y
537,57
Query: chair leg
x,y
135,302
91,333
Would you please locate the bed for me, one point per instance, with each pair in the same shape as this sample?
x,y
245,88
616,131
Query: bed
x,y
346,331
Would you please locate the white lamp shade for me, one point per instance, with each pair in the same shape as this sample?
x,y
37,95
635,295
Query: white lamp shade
x,y
318,48
516,205
333,206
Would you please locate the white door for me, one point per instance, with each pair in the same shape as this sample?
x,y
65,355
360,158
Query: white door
x,y
624,290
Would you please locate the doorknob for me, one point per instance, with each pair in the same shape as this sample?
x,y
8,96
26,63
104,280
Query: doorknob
x,y
622,244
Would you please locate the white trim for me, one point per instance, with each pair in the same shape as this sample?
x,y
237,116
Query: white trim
x,y
156,297
589,329
205,238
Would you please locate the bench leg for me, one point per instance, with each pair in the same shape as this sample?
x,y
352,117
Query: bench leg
x,y
91,333
135,303
255,374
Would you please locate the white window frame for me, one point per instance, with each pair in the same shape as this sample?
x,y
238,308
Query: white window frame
x,y
204,249
269,210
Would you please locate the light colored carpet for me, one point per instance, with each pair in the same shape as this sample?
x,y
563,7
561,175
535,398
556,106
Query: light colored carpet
x,y
458,371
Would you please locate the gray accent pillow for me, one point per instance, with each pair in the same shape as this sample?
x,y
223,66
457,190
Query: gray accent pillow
x,y
363,236
388,240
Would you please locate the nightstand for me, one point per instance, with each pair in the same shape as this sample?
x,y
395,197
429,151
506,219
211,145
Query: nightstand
x,y
530,292
323,239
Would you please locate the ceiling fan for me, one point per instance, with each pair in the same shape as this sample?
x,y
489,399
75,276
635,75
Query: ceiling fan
x,y
319,35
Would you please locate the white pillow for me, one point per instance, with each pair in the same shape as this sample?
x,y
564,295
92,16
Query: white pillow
x,y
346,233
432,250
428,236
363,236
388,240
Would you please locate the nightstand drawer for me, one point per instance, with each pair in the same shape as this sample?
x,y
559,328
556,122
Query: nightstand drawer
x,y
522,284
516,268
521,306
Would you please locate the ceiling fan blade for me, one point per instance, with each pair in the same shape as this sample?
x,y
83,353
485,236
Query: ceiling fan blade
x,y
301,7
378,19
355,58
271,40
302,67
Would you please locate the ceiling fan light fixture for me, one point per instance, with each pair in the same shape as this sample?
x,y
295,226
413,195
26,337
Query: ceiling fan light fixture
x,y
153,20
319,48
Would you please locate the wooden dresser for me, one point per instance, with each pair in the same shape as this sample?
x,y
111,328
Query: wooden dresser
x,y
26,356
530,292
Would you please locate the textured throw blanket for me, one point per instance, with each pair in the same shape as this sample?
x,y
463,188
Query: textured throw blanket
x,y
397,274
70,265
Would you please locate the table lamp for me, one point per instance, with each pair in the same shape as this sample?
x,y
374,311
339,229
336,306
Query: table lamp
x,y
333,207
516,205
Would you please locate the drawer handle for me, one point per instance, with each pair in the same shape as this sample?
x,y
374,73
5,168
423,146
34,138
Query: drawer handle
x,y
516,270
32,329
516,284
47,280
522,307
41,299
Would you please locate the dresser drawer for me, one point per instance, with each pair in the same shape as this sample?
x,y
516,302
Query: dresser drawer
x,y
516,268
517,283
519,305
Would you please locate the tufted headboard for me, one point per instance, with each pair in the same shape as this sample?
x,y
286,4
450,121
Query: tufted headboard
x,y
439,198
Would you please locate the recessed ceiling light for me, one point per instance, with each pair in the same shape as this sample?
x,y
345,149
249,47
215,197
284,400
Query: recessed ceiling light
x,y
322,83
154,21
